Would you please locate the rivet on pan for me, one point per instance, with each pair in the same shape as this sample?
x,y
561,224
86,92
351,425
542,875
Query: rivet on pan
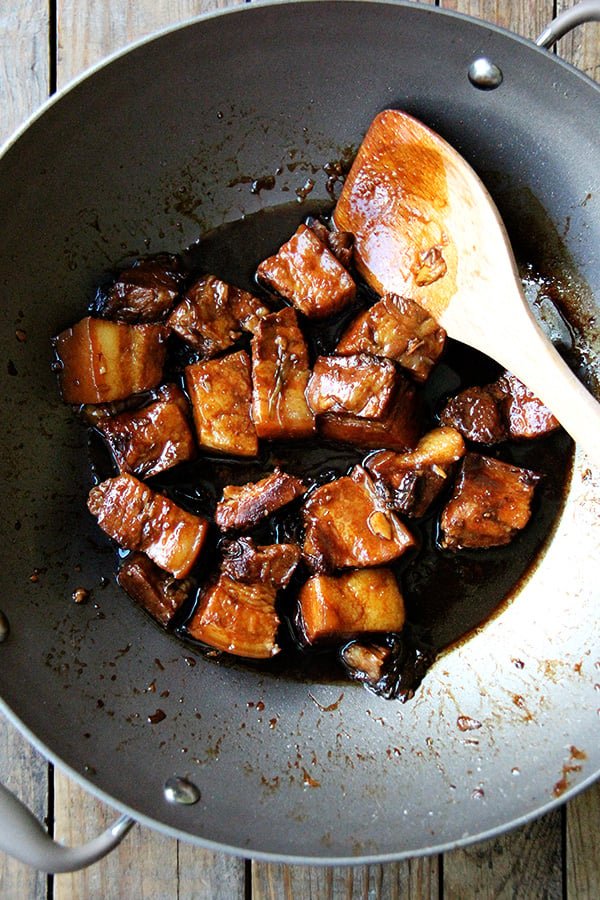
x,y
4,627
180,790
485,74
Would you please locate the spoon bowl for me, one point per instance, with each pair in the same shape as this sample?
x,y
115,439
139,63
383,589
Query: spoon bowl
x,y
426,227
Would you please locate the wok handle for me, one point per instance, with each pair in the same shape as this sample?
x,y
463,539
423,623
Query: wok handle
x,y
24,838
585,11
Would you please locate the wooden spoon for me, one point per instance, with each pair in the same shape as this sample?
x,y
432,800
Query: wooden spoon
x,y
426,227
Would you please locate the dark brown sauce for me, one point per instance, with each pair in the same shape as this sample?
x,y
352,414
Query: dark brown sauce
x,y
447,594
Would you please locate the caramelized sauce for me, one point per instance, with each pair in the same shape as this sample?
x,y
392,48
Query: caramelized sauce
x,y
447,594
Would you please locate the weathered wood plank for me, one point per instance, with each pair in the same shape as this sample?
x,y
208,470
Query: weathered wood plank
x,y
204,875
582,46
416,879
25,772
523,865
524,17
88,31
24,62
583,828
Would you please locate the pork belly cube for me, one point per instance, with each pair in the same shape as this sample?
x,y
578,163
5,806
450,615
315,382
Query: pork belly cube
x,y
341,243
366,662
477,414
100,361
307,273
144,292
221,395
269,564
398,428
525,416
360,385
339,607
157,437
412,481
348,525
138,518
505,409
237,618
491,502
280,373
243,506
212,315
161,595
397,328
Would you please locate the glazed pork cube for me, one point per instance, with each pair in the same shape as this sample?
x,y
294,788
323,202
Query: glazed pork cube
x,y
524,414
269,564
360,385
221,394
144,292
398,428
237,618
138,518
146,441
397,328
161,595
307,273
100,361
477,414
242,507
339,607
280,374
412,481
491,502
341,243
348,525
505,409
212,315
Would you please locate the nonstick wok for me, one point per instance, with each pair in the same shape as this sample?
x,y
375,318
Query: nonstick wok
x,y
203,125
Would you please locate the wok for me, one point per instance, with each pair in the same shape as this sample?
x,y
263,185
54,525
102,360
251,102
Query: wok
x,y
147,152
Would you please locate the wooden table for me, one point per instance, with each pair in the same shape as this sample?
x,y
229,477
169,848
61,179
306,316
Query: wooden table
x,y
43,44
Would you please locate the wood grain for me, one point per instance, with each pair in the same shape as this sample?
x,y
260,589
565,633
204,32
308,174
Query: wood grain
x,y
552,857
24,61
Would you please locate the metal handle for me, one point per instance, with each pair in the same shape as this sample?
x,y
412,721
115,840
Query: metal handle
x,y
585,11
23,837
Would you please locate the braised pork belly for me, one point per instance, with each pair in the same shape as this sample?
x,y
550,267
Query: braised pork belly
x,y
154,438
398,428
358,385
280,375
271,564
99,360
221,394
491,502
238,618
503,410
212,315
138,518
412,481
243,506
144,292
156,591
397,328
309,275
338,607
348,525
